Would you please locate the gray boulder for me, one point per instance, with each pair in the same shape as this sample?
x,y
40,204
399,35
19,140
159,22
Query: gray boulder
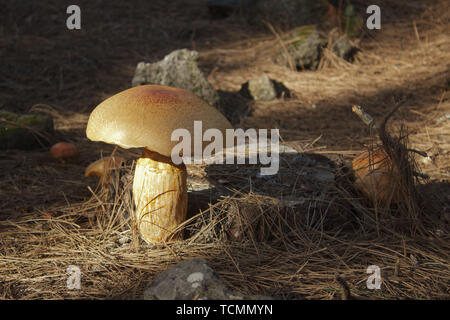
x,y
24,131
191,279
178,69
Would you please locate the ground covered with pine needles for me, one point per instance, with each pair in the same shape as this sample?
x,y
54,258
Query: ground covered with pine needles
x,y
288,237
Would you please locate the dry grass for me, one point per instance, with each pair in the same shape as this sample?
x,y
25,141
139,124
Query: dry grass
x,y
257,243
289,236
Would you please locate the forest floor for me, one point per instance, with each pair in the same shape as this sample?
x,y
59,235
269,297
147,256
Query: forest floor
x,y
52,217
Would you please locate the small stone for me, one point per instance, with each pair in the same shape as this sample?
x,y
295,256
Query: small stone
x,y
264,89
123,240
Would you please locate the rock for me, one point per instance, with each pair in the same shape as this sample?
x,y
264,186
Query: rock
x,y
343,49
178,69
261,89
23,131
264,89
123,240
306,50
192,279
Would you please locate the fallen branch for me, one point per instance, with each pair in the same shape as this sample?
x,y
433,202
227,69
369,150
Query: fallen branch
x,y
384,136
404,165
365,117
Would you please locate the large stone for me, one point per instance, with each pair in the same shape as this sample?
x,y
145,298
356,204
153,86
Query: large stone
x,y
192,279
305,49
24,131
178,69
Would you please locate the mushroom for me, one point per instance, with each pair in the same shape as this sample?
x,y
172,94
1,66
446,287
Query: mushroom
x,y
375,176
102,168
145,117
64,151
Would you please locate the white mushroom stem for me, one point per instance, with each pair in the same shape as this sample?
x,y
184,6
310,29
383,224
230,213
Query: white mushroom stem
x,y
160,197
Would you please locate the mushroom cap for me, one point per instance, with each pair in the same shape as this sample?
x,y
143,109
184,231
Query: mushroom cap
x,y
146,116
101,167
376,176
64,150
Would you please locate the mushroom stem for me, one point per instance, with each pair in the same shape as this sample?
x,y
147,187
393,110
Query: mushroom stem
x,y
160,196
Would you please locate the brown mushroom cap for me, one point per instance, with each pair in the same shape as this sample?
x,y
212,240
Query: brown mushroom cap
x,y
376,175
146,116
64,150
101,167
